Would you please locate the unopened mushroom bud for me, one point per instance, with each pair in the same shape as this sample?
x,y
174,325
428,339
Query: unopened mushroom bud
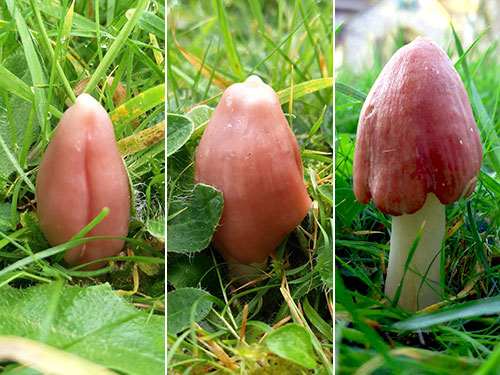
x,y
80,173
249,152
417,149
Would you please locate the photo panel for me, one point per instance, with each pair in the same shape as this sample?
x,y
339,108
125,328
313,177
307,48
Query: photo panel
x,y
82,187
416,187
250,187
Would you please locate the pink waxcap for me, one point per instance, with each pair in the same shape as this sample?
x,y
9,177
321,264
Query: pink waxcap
x,y
416,133
249,152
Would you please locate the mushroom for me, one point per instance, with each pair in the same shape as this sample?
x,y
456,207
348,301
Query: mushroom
x,y
249,152
417,149
81,172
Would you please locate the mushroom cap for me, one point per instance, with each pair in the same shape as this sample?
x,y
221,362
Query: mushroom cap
x,y
416,133
249,152
81,172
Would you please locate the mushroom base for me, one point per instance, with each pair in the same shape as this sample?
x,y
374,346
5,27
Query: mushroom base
x,y
421,286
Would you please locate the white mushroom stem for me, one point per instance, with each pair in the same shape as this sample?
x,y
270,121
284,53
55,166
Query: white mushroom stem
x,y
421,285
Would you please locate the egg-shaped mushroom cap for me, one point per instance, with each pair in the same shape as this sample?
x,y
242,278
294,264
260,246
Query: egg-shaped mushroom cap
x,y
249,152
416,133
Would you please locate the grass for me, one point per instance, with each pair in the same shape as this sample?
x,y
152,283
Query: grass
x,y
49,54
461,335
230,328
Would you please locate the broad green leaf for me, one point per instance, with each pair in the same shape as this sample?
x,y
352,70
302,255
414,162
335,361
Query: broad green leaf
x,y
344,149
200,115
180,172
326,192
347,207
188,271
94,323
20,112
179,129
185,306
325,265
292,342
156,227
191,224
325,255
5,217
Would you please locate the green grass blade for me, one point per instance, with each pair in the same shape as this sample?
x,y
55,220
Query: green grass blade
x,y
492,364
63,33
16,165
292,26
74,241
36,71
314,44
288,39
350,91
137,106
486,128
116,47
98,29
257,13
339,27
464,54
53,9
11,83
305,88
16,86
313,130
276,48
483,306
26,143
110,10
153,24
232,53
318,322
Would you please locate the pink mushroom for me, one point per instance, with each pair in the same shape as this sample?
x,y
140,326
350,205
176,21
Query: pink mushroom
x,y
417,149
82,172
249,152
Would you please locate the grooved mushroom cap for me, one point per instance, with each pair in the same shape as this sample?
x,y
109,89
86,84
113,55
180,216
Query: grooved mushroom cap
x,y
416,133
249,152
81,172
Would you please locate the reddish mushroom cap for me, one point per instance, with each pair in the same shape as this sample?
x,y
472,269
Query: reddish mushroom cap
x,y
81,172
416,133
249,152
